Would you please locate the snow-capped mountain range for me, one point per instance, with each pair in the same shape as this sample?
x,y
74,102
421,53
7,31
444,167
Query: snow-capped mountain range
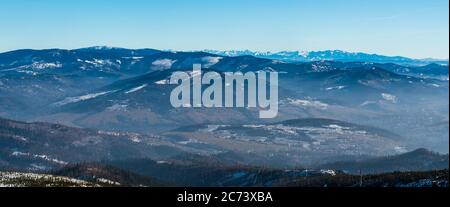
x,y
330,55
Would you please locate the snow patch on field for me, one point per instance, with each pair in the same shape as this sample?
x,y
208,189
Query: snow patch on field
x,y
389,97
399,149
163,64
99,62
328,172
210,61
368,103
118,107
43,65
338,129
133,58
106,181
435,85
212,127
308,103
335,88
82,98
43,157
136,89
162,82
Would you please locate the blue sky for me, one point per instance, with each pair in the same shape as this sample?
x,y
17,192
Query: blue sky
x,y
413,28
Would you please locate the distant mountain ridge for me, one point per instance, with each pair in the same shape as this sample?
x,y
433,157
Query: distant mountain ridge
x,y
329,55
418,159
287,56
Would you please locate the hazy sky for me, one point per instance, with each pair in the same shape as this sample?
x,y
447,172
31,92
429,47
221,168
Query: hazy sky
x,y
413,28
